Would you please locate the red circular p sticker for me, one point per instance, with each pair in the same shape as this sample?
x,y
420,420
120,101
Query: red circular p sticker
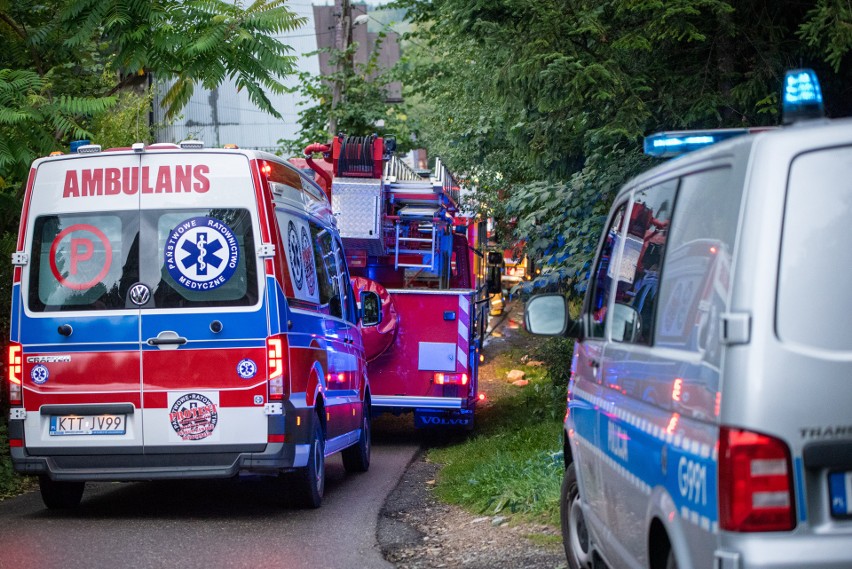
x,y
84,265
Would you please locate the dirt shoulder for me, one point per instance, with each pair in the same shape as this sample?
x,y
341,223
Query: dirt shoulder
x,y
417,531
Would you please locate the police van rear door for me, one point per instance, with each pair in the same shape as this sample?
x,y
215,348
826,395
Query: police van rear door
x,y
203,319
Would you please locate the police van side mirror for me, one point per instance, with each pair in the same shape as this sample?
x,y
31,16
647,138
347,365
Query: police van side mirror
x,y
546,315
371,309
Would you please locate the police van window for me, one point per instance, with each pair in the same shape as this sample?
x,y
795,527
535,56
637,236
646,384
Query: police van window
x,y
199,258
328,271
83,261
602,277
815,279
641,263
694,284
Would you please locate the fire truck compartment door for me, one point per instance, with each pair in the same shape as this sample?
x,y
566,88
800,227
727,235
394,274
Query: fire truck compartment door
x,y
436,356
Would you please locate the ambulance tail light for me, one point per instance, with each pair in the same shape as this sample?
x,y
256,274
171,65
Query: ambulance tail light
x,y
14,373
451,378
276,362
755,483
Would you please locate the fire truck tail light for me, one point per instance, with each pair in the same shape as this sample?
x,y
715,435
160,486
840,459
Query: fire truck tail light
x,y
755,482
275,364
14,367
451,378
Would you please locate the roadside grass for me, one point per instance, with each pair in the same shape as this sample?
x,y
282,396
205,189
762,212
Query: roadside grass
x,y
512,463
11,484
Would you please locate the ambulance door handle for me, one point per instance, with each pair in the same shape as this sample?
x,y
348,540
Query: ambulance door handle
x,y
166,341
167,338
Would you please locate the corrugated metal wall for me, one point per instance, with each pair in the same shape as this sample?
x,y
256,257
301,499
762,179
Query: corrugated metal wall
x,y
224,115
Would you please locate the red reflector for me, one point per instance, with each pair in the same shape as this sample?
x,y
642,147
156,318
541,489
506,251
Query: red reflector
x,y
275,438
755,482
482,397
16,443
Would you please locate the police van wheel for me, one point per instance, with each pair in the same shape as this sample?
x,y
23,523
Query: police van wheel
x,y
60,495
311,479
575,535
357,457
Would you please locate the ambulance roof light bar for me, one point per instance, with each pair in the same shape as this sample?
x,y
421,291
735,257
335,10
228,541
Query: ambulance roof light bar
x,y
89,149
802,96
191,144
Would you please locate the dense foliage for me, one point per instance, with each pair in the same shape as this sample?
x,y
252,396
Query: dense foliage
x,y
80,69
63,63
544,103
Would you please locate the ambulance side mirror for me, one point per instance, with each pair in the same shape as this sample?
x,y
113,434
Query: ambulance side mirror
x,y
371,308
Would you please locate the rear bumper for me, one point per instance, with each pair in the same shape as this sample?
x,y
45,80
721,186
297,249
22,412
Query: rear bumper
x,y
785,552
408,402
100,464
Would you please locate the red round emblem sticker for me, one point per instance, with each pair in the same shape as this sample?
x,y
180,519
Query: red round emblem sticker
x,y
76,244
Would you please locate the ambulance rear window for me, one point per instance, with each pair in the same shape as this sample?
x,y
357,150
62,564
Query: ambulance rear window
x,y
83,261
188,259
202,258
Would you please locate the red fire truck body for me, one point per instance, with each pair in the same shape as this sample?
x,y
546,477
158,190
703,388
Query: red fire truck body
x,y
404,239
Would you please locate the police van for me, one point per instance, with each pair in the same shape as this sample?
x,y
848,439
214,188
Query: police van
x,y
181,312
708,421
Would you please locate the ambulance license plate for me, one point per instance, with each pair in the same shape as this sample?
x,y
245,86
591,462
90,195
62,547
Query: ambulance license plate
x,y
88,425
840,493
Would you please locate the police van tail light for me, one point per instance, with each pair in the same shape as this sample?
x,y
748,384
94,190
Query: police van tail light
x,y
276,362
755,482
14,373
451,378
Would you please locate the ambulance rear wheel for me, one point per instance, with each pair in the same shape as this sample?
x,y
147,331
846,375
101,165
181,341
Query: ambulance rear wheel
x,y
60,495
357,457
310,480
575,535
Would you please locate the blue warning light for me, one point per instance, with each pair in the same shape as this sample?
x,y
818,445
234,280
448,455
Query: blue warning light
x,y
675,143
802,96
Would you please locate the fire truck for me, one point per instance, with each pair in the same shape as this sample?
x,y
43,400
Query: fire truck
x,y
405,239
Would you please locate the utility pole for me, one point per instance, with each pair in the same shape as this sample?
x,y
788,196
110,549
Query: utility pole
x,y
343,39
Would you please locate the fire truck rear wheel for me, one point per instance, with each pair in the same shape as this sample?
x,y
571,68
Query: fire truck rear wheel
x,y
60,495
357,457
310,481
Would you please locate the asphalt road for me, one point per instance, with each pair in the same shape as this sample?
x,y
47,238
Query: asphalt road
x,y
210,524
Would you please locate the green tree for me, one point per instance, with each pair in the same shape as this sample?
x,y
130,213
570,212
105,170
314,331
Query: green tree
x,y
548,100
63,63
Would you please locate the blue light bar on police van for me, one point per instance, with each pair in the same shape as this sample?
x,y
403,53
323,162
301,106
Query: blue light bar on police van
x,y
802,96
675,143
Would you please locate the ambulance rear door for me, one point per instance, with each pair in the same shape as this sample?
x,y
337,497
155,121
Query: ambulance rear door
x,y
79,332
204,321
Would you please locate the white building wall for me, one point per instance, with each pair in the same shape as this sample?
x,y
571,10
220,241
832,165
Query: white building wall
x,y
227,116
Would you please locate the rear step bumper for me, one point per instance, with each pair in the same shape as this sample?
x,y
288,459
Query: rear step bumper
x,y
96,464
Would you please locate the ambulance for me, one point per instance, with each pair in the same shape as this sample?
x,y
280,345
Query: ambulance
x,y
708,412
182,312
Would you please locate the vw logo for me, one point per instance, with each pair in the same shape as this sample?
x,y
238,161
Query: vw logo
x,y
139,294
